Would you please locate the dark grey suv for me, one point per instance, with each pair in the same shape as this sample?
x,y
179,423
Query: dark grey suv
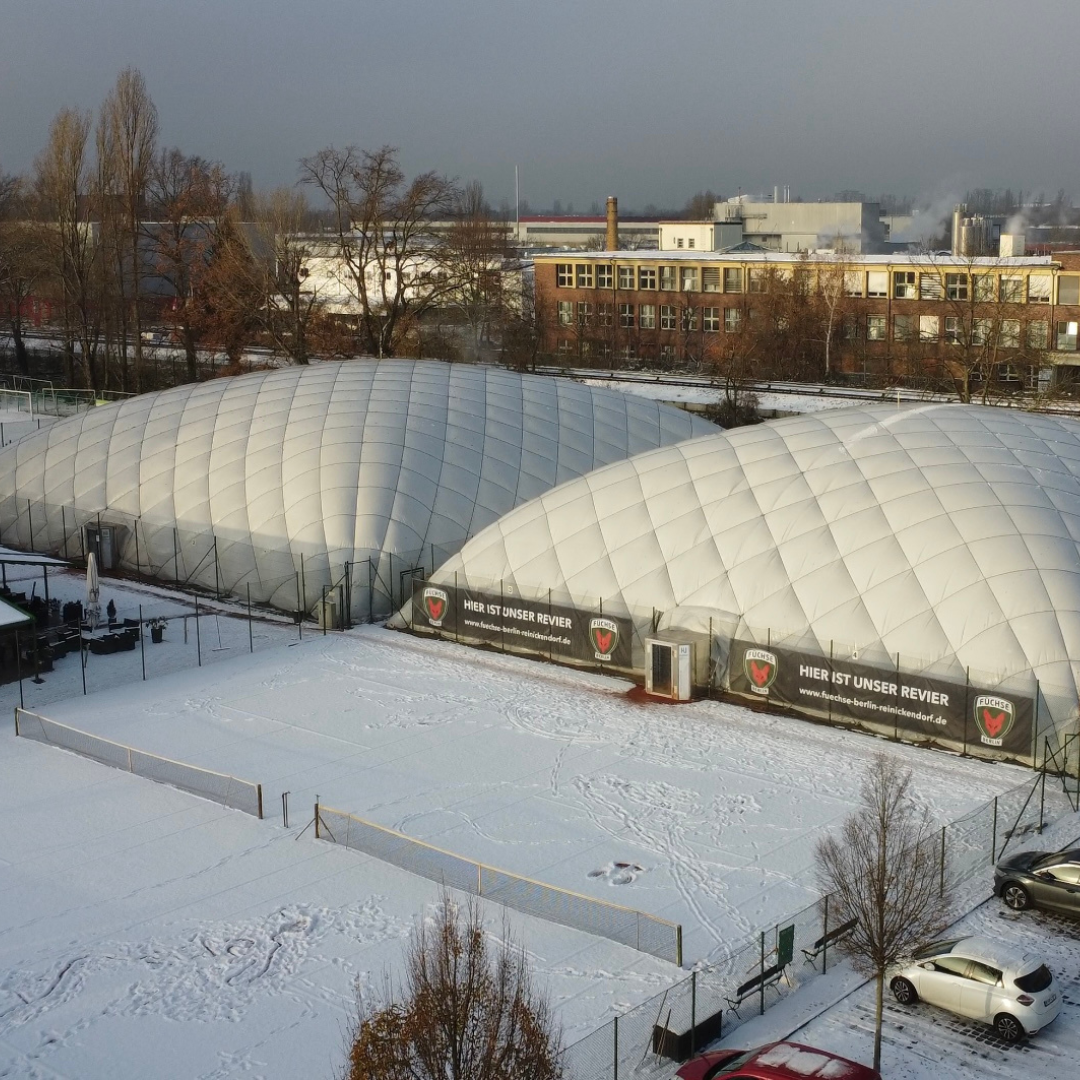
x,y
1047,879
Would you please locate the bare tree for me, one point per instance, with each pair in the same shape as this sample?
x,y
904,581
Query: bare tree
x,y
22,263
189,198
468,1012
883,872
393,264
64,186
127,141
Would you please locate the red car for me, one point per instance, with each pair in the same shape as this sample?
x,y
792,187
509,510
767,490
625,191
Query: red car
x,y
776,1061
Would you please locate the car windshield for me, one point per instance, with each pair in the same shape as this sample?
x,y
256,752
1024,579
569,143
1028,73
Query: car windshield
x,y
730,1066
935,948
1034,981
1054,857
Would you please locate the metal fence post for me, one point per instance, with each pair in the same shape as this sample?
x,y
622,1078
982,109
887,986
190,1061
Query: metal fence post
x,y
615,1059
825,939
198,638
316,819
693,1009
993,841
761,987
1042,801
941,865
251,631
142,642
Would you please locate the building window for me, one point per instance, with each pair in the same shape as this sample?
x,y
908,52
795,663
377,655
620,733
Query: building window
x,y
1038,334
626,277
1012,289
647,316
604,276
688,279
565,346
679,242
1068,289
603,314
667,354
849,329
732,319
626,352
710,320
647,277
929,327
1066,336
710,279
690,242
564,275
566,313
983,288
877,327
584,275
755,280
981,330
930,287
1010,334
877,284
1040,288
733,279
603,349
667,316
953,330
956,287
853,283
584,314
804,282
689,319
902,328
904,284
626,316
667,278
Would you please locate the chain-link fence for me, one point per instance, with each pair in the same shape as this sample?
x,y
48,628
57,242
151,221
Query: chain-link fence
x,y
646,933
755,973
220,787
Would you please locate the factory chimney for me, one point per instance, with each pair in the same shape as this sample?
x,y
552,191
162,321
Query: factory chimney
x,y
612,241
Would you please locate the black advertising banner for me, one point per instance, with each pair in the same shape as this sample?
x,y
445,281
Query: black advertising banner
x,y
927,707
513,623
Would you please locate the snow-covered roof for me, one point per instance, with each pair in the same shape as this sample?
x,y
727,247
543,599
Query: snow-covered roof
x,y
27,558
250,480
813,259
11,616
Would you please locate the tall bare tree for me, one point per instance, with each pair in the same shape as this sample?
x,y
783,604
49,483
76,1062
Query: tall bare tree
x,y
22,263
465,1013
127,141
393,264
883,872
64,183
189,198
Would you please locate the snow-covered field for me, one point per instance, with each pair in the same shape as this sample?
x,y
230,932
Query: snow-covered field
x,y
138,921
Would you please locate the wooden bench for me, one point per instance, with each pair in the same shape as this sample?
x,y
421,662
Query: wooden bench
x,y
758,984
828,939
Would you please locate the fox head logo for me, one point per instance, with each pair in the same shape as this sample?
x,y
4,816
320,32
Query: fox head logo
x,y
759,667
604,635
436,601
994,717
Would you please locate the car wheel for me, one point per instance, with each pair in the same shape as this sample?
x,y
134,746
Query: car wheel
x,y
1016,896
903,991
1008,1027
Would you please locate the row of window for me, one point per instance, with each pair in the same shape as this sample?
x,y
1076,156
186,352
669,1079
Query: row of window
x,y
904,284
1003,333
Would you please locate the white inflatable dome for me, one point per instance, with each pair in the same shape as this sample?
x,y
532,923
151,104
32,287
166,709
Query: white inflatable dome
x,y
947,534
299,475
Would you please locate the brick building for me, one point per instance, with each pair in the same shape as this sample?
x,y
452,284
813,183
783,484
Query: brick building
x,y
1001,318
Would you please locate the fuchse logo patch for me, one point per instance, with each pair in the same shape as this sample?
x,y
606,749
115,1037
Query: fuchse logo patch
x,y
995,717
604,635
759,667
436,602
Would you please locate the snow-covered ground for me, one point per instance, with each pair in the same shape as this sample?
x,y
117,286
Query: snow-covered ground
x,y
138,921
703,395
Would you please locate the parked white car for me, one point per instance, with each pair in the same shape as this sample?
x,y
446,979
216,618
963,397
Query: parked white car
x,y
982,979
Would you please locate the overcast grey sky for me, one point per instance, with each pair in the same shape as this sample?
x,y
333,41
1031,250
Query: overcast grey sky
x,y
650,101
